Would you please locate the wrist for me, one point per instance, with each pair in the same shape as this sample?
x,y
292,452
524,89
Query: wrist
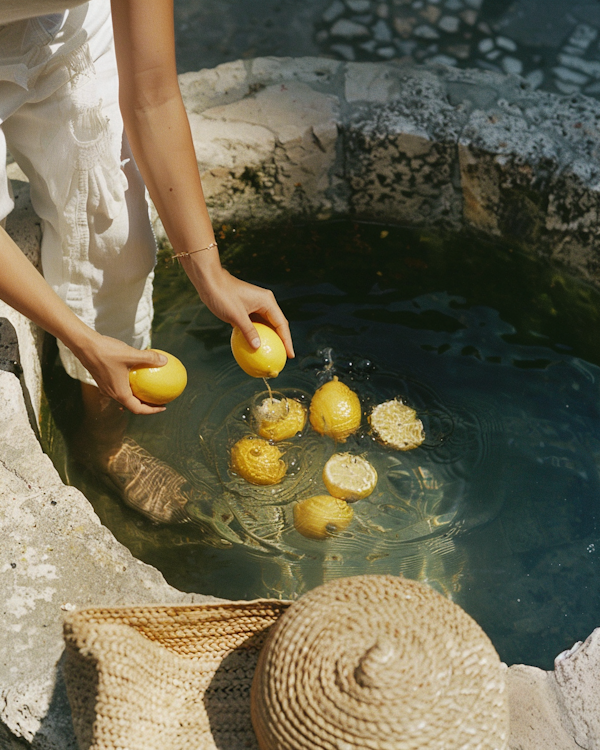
x,y
82,341
203,268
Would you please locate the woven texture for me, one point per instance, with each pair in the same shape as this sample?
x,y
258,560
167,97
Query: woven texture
x,y
378,662
165,678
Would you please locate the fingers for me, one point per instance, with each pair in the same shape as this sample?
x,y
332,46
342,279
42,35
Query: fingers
x,y
135,406
283,330
250,333
128,401
236,301
109,361
146,358
276,319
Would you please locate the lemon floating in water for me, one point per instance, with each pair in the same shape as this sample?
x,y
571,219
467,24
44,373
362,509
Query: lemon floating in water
x,y
321,516
279,419
159,385
335,410
349,477
396,424
257,461
265,362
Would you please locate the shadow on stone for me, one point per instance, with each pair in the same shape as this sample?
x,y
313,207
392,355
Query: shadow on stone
x,y
10,361
56,731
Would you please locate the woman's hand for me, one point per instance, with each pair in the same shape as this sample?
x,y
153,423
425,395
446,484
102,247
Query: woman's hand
x,y
238,302
109,361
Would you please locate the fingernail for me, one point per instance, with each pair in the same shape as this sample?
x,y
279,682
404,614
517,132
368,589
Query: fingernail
x,y
163,359
256,343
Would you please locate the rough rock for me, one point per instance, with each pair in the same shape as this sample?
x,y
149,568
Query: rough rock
x,y
557,710
537,717
304,128
418,145
577,675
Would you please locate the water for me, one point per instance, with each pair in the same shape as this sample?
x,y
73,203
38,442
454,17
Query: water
x,y
499,355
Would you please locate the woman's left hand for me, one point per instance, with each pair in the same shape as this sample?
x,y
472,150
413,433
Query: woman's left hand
x,y
237,302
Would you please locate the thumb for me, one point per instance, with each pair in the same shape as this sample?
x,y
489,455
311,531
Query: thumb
x,y
250,333
147,358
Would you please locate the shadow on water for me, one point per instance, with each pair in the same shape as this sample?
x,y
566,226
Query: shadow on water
x,y
497,352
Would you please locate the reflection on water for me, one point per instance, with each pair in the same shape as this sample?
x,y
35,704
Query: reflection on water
x,y
500,498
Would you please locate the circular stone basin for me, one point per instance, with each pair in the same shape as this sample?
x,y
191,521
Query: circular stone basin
x,y
307,139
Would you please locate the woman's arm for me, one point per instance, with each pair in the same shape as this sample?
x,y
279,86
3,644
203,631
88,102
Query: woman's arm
x,y
107,359
161,141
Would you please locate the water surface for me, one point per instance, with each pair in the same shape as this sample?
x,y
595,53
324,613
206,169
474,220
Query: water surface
x,y
496,351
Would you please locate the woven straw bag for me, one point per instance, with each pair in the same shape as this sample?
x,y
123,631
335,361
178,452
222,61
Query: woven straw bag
x,y
165,678
371,661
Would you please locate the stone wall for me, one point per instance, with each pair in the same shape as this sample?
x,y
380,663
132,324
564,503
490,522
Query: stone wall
x,y
316,138
307,138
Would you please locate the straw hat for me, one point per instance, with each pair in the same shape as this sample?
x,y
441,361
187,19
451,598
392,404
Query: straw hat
x,y
378,662
365,662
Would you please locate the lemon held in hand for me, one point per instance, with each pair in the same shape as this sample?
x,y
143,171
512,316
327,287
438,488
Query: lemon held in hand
x,y
159,385
349,477
257,461
321,516
335,410
265,362
279,419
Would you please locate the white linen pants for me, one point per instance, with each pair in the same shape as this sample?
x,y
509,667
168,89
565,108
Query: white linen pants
x,y
60,118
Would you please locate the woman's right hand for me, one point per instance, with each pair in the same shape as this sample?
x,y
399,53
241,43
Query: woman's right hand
x,y
109,361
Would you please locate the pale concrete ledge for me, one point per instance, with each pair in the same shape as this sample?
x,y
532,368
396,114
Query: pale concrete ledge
x,y
307,138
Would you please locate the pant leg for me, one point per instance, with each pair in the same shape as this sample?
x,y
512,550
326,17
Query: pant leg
x,y
98,249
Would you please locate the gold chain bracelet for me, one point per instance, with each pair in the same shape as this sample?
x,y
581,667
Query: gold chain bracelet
x,y
191,252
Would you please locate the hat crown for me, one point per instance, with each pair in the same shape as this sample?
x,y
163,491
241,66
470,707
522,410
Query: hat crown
x,y
378,666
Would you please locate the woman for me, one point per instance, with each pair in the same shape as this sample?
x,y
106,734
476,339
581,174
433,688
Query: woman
x,y
85,95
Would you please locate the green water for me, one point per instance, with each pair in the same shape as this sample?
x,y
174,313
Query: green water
x,y
498,353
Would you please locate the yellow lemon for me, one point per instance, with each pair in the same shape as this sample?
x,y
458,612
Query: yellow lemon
x,y
396,424
279,419
265,362
257,461
335,410
159,385
321,516
349,477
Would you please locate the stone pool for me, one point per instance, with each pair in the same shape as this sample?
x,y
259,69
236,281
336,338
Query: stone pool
x,y
308,139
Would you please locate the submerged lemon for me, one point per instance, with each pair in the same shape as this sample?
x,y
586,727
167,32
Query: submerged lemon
x,y
257,461
159,385
265,362
279,419
349,477
321,516
335,410
396,424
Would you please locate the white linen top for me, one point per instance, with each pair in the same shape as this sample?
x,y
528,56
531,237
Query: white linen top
x,y
18,10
